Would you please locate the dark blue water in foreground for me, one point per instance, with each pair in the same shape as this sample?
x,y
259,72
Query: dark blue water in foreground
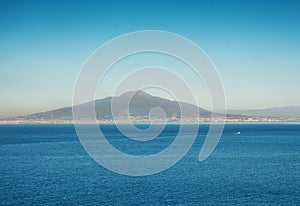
x,y
46,165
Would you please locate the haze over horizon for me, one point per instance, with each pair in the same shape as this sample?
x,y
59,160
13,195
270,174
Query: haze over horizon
x,y
254,45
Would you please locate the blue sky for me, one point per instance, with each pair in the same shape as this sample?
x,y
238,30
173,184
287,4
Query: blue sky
x,y
255,46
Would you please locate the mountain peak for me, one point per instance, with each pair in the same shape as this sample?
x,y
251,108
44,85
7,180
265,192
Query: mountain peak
x,y
137,93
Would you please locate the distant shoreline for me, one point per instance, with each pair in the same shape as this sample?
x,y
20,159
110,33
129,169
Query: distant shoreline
x,y
227,121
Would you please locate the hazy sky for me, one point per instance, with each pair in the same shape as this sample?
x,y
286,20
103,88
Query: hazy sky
x,y
255,46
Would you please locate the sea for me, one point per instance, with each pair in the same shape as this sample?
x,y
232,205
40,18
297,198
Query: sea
x,y
47,165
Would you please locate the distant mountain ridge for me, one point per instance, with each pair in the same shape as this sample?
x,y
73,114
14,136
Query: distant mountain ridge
x,y
280,112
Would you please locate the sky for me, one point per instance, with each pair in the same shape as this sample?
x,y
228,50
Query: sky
x,y
255,46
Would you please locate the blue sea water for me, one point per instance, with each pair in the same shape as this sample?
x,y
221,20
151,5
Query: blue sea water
x,y
46,165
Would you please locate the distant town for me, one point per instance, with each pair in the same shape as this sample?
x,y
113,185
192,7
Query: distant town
x,y
145,120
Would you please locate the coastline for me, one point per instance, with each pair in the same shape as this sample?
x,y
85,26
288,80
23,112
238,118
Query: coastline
x,y
187,121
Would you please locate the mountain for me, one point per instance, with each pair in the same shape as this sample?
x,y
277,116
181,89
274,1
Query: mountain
x,y
280,112
141,104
